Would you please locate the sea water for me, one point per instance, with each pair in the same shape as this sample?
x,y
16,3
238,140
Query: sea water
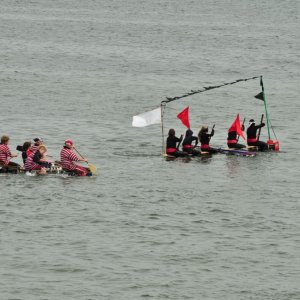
x,y
224,227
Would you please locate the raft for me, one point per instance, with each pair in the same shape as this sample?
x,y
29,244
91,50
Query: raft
x,y
56,169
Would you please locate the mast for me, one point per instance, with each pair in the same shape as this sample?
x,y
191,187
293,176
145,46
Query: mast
x,y
265,103
162,107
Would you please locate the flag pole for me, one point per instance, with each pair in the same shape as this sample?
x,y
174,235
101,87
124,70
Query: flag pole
x,y
265,103
162,107
242,129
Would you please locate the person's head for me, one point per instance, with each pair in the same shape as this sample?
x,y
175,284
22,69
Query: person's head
x,y
204,128
26,145
68,144
171,132
38,141
42,149
189,132
4,139
251,121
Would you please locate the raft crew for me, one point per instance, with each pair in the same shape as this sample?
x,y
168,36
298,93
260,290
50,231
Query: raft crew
x,y
5,156
68,159
187,143
204,138
252,139
232,141
37,161
173,143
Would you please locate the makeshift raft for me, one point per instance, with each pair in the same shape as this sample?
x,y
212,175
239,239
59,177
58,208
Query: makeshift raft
x,y
237,152
56,169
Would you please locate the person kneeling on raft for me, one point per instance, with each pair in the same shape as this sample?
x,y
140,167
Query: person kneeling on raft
x,y
37,160
187,143
5,156
204,138
252,139
232,141
68,159
172,147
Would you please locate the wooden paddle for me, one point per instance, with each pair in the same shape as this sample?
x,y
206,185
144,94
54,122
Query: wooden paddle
x,y
181,138
259,130
212,131
92,168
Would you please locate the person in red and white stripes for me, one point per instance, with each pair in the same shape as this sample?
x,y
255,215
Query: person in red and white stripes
x,y
68,159
37,143
37,161
6,155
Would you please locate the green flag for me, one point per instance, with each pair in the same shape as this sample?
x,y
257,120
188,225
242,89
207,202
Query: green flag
x,y
260,96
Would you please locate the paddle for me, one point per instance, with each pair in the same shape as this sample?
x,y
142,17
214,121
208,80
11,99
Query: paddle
x,y
181,138
212,131
259,130
92,168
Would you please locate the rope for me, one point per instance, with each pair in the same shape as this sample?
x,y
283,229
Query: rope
x,y
207,88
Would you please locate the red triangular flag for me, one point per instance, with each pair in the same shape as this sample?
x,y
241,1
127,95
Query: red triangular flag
x,y
236,126
184,117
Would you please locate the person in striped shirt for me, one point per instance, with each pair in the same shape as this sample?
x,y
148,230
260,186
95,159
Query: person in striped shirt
x,y
68,159
37,161
37,143
6,155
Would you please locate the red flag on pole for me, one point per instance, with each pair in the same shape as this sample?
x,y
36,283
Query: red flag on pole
x,y
184,117
236,126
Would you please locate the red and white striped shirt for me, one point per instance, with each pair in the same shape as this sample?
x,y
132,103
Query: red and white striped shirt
x,y
67,158
32,149
5,154
30,164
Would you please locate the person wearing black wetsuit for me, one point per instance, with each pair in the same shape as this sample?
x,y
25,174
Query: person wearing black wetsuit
x,y
187,143
252,137
172,141
204,138
232,141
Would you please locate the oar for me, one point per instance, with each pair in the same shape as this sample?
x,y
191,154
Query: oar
x,y
259,130
212,131
91,166
179,142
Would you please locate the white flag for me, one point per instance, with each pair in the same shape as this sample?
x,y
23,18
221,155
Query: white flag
x,y
147,118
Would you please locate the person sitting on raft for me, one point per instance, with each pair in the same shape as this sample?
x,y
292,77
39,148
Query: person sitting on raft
x,y
25,150
204,138
37,142
232,141
172,147
187,143
252,139
68,159
37,161
5,155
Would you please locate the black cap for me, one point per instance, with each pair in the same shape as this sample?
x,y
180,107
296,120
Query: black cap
x,y
37,140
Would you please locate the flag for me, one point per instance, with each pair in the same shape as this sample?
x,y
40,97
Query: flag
x,y
260,96
184,117
236,126
147,118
